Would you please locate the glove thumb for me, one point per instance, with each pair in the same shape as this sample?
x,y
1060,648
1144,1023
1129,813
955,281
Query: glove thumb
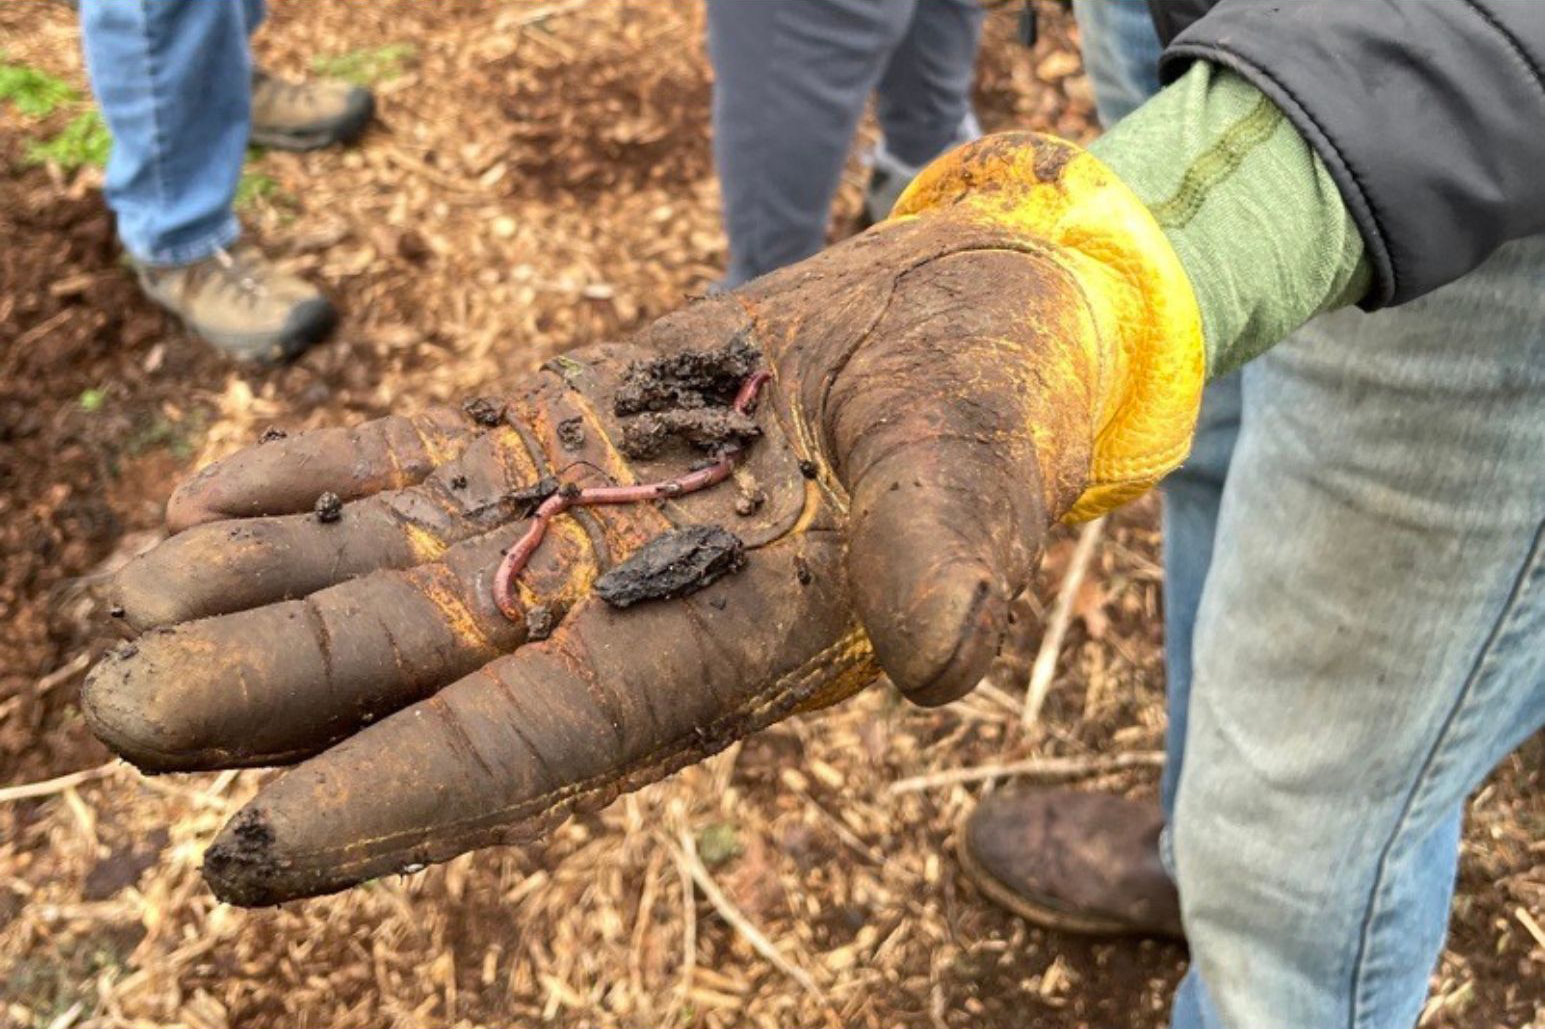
x,y
937,438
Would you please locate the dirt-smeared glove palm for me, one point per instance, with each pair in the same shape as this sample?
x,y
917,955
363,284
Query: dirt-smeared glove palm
x,y
944,387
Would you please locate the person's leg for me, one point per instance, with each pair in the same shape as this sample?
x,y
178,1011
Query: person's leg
x,y
923,99
1121,54
172,78
1370,642
253,12
790,82
1191,496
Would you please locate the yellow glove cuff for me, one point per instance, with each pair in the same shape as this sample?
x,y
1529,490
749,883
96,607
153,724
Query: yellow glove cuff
x,y
1146,337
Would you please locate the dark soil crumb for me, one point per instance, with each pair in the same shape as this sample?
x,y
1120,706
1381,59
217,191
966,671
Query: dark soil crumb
x,y
329,508
237,869
706,428
687,396
527,499
571,433
273,432
540,623
412,247
673,564
689,379
484,411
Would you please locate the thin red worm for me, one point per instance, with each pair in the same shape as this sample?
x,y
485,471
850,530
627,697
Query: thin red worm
x,y
516,558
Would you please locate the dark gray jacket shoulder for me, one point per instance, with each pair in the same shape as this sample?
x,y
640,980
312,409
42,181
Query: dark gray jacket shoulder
x,y
1429,113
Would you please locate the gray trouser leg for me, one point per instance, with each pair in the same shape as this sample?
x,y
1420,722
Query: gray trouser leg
x,y
925,93
791,79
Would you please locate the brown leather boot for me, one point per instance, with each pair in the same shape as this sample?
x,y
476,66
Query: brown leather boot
x,y
1079,862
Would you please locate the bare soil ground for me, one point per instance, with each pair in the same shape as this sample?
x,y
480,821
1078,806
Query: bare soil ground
x,y
540,179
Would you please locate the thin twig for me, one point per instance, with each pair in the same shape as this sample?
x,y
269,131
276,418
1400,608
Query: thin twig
x,y
540,14
1035,767
408,162
63,673
1000,697
689,926
1045,666
642,922
40,330
1530,924
739,922
69,1016
49,787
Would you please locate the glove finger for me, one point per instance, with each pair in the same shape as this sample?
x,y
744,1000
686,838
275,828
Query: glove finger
x,y
278,683
287,475
220,567
613,701
937,436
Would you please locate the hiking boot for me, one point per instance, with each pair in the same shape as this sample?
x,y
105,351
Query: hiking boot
x,y
307,115
888,177
239,301
1078,862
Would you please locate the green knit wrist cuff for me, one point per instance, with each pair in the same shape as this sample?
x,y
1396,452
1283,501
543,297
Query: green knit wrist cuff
x,y
1250,209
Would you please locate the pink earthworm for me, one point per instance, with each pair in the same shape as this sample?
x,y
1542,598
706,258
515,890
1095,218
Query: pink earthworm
x,y
515,559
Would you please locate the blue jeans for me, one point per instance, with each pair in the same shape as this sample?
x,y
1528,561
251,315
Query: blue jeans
x,y
1355,623
173,79
791,78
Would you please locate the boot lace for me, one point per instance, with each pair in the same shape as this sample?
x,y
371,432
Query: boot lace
x,y
233,275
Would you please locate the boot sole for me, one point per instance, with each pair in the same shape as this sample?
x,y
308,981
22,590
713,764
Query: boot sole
x,y
1042,913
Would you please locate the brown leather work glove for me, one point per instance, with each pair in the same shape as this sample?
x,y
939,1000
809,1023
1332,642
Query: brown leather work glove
x,y
941,392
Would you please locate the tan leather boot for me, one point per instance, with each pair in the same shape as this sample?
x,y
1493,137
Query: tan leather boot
x,y
1078,862
240,302
307,115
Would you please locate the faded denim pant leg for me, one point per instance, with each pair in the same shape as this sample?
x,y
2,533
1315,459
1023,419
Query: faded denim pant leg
x,y
1355,623
173,79
790,82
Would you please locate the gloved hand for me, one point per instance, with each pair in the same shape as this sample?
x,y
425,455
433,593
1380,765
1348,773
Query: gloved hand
x,y
1019,345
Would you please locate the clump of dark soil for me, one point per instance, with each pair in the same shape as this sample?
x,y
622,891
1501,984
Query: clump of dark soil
x,y
687,396
673,564
705,428
485,411
571,433
540,622
688,379
242,859
329,508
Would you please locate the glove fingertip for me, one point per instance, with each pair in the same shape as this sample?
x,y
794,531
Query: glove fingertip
x,y
937,647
